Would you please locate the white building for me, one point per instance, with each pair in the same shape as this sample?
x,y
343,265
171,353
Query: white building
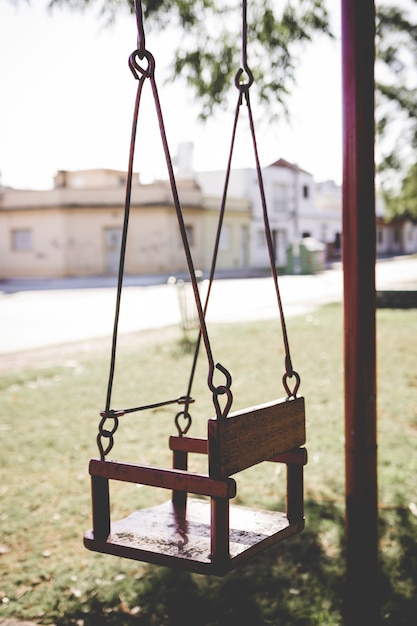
x,y
324,223
289,191
295,209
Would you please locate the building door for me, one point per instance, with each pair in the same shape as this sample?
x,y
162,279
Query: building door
x,y
113,242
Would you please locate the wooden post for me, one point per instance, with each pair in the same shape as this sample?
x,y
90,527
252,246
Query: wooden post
x,y
295,492
220,531
180,461
359,254
101,507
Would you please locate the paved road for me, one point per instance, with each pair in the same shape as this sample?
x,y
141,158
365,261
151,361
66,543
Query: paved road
x,y
35,314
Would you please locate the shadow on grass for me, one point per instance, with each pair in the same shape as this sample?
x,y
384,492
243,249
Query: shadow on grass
x,y
399,567
296,583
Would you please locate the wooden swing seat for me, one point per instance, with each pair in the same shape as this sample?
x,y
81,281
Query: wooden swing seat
x,y
207,535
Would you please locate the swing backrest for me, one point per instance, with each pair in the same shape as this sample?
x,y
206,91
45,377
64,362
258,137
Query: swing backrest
x,y
260,433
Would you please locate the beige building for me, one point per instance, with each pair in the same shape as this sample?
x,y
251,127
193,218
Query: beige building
x,y
75,229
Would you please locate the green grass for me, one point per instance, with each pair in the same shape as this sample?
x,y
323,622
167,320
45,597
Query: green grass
x,y
48,431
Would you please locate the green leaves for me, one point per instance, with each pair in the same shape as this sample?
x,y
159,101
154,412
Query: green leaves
x,y
209,60
209,51
404,204
209,54
396,90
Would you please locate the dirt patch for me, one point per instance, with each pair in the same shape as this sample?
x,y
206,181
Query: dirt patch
x,y
55,355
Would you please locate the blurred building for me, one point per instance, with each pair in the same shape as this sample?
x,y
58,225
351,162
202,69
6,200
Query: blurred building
x,y
297,208
75,229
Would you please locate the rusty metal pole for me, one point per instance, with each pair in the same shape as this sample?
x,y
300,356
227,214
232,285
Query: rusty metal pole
x,y
359,255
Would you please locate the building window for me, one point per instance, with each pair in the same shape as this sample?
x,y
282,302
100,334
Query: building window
x,y
279,200
380,236
22,239
306,191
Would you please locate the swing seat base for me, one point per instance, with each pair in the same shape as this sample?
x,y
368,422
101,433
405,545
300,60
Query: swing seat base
x,y
163,536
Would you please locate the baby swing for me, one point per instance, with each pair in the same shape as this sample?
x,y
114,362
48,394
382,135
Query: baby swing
x,y
198,529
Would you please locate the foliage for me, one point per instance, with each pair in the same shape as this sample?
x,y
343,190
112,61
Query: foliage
x,y
396,97
210,55
210,50
404,203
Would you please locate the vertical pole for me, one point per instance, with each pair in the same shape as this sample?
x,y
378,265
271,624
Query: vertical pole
x,y
359,254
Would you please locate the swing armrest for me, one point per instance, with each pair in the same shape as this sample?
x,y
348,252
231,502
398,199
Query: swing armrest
x,y
178,480
188,444
298,456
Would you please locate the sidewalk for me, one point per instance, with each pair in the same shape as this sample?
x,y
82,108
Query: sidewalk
x,y
14,285
45,313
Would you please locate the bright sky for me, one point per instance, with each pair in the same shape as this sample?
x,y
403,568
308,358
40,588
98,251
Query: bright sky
x,y
67,98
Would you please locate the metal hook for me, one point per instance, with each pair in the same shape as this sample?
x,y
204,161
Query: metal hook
x,y
220,390
105,433
293,393
141,53
226,373
187,417
244,85
138,71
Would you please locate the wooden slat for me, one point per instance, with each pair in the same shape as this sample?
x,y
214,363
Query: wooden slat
x,y
188,444
298,456
164,478
257,434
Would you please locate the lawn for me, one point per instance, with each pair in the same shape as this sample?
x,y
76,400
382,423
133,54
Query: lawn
x,y
49,426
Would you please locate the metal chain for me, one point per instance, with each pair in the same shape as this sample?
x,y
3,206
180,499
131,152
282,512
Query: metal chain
x,y
216,390
244,93
243,86
105,437
105,433
213,269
